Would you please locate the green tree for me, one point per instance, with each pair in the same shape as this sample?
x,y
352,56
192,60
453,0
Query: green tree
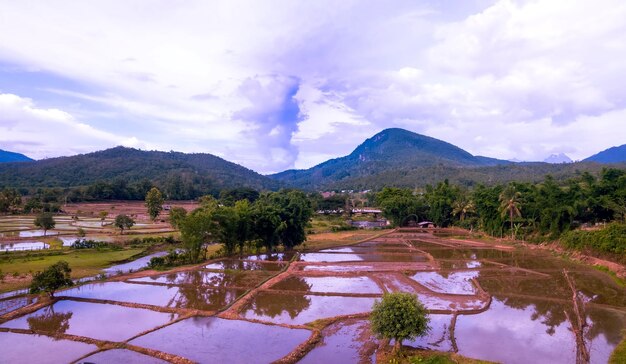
x,y
52,278
103,217
10,200
177,214
45,221
123,222
398,204
197,229
399,316
510,204
154,202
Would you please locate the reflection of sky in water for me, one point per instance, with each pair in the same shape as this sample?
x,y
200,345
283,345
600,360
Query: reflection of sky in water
x,y
523,334
135,264
453,283
438,337
473,264
30,245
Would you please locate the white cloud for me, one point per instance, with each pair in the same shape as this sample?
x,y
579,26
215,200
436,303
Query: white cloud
x,y
290,84
42,133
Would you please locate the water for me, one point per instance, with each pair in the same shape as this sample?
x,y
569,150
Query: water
x,y
300,308
121,356
240,279
22,348
94,320
235,264
27,245
452,283
134,265
329,285
344,257
185,296
215,340
344,342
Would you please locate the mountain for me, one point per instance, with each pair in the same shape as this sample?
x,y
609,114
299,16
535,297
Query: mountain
x,y
558,158
611,155
132,165
7,157
392,150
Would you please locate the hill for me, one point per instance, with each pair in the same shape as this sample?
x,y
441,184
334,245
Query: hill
x,y
391,150
133,165
397,157
611,155
8,157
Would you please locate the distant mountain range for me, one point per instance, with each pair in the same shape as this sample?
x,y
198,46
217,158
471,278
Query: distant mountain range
x,y
131,165
558,158
7,157
611,155
393,157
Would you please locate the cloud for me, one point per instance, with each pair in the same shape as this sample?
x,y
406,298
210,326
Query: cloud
x,y
293,83
43,133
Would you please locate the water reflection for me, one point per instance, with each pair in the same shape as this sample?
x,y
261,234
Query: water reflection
x,y
49,321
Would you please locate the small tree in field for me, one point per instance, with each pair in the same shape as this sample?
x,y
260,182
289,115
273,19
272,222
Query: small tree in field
x,y
45,221
154,202
399,316
123,222
52,278
103,217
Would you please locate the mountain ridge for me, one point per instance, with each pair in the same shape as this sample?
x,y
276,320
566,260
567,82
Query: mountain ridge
x,y
611,155
7,156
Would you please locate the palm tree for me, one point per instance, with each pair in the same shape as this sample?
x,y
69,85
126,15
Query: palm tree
x,y
510,204
462,207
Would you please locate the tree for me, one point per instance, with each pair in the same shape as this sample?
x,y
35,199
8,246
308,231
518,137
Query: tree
x,y
399,203
123,222
103,216
399,316
197,229
177,214
510,204
10,200
154,202
52,278
45,221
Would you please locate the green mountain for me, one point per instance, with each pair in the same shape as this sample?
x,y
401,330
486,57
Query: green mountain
x,y
397,157
390,150
611,155
8,157
133,165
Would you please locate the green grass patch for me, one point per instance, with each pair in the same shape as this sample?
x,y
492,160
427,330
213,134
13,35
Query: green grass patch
x,y
84,263
619,354
620,281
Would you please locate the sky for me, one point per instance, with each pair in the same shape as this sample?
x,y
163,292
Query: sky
x,y
274,85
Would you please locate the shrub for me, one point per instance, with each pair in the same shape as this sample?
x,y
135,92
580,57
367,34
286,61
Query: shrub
x,y
399,316
52,278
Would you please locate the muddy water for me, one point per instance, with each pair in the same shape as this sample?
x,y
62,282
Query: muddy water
x,y
27,245
294,308
134,265
215,340
121,356
438,338
329,284
235,264
245,279
274,257
344,257
344,342
98,321
184,296
520,331
452,283
22,348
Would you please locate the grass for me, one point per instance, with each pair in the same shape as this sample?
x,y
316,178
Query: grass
x,y
415,356
620,281
329,240
619,354
84,263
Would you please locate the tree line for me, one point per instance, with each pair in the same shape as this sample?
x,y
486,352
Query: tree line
x,y
271,220
520,209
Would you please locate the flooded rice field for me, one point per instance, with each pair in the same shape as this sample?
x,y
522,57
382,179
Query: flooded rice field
x,y
487,302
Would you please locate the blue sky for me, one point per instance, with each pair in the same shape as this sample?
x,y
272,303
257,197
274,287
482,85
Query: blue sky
x,y
274,85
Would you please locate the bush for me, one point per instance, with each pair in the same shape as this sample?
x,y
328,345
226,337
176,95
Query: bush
x,y
52,278
399,316
172,259
610,239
